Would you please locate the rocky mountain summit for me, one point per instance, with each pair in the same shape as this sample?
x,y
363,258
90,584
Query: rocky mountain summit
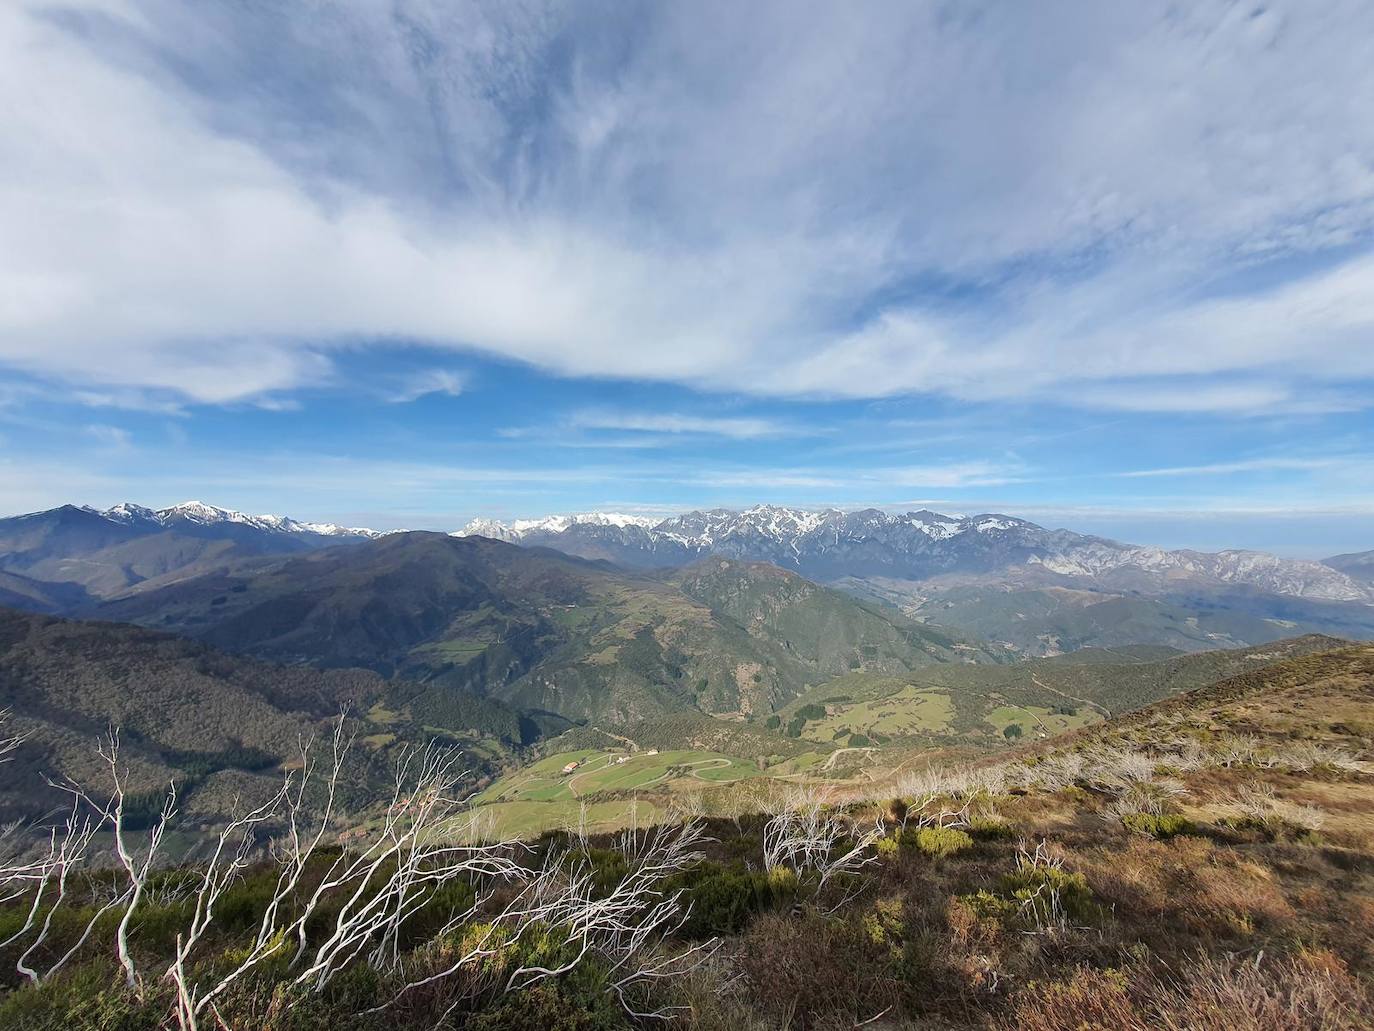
x,y
830,545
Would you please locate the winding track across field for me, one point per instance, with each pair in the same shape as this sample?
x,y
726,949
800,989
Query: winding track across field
x,y
1062,694
718,762
830,763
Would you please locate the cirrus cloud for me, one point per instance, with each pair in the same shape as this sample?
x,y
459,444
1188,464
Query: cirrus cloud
x,y
1138,207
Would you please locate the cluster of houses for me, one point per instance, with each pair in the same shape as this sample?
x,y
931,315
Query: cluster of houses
x,y
618,760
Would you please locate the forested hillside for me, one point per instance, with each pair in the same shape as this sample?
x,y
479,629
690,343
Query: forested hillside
x,y
220,725
542,631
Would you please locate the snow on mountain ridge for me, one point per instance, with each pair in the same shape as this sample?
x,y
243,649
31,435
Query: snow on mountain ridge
x,y
514,531
1297,577
828,543
831,543
201,514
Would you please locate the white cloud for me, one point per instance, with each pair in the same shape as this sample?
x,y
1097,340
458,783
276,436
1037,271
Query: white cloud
x,y
1252,465
734,427
718,208
938,475
430,381
110,436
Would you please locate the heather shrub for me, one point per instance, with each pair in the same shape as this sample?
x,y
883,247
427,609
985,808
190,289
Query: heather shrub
x,y
989,827
578,1002
885,923
813,972
1088,1000
84,999
1047,894
936,842
1310,990
724,899
978,921
896,810
1161,826
986,905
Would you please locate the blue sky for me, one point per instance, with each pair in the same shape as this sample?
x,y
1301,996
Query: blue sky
x,y
405,263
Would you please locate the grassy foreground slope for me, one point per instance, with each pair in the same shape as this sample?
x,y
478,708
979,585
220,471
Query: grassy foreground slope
x,y
1206,863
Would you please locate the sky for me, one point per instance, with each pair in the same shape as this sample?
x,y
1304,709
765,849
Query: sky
x,y
403,263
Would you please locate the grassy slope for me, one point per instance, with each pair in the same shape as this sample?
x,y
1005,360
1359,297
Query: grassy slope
x,y
1157,922
1224,925
963,710
821,625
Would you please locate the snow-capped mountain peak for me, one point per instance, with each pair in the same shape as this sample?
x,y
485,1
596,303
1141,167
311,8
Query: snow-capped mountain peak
x,y
206,515
521,528
198,513
932,524
128,512
829,544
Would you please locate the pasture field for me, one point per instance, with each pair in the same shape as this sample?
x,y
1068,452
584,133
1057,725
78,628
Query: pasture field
x,y
541,797
1037,721
528,819
909,711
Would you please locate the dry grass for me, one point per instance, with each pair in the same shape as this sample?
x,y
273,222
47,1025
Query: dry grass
x,y
1311,991
809,971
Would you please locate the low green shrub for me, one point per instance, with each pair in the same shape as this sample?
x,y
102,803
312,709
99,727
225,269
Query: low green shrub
x,y
1164,825
990,828
885,923
986,905
723,899
1046,893
578,1002
936,842
85,999
609,868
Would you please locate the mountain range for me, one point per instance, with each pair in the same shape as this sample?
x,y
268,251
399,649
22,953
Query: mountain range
x,y
217,638
1027,588
1359,566
51,561
1032,590
832,544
